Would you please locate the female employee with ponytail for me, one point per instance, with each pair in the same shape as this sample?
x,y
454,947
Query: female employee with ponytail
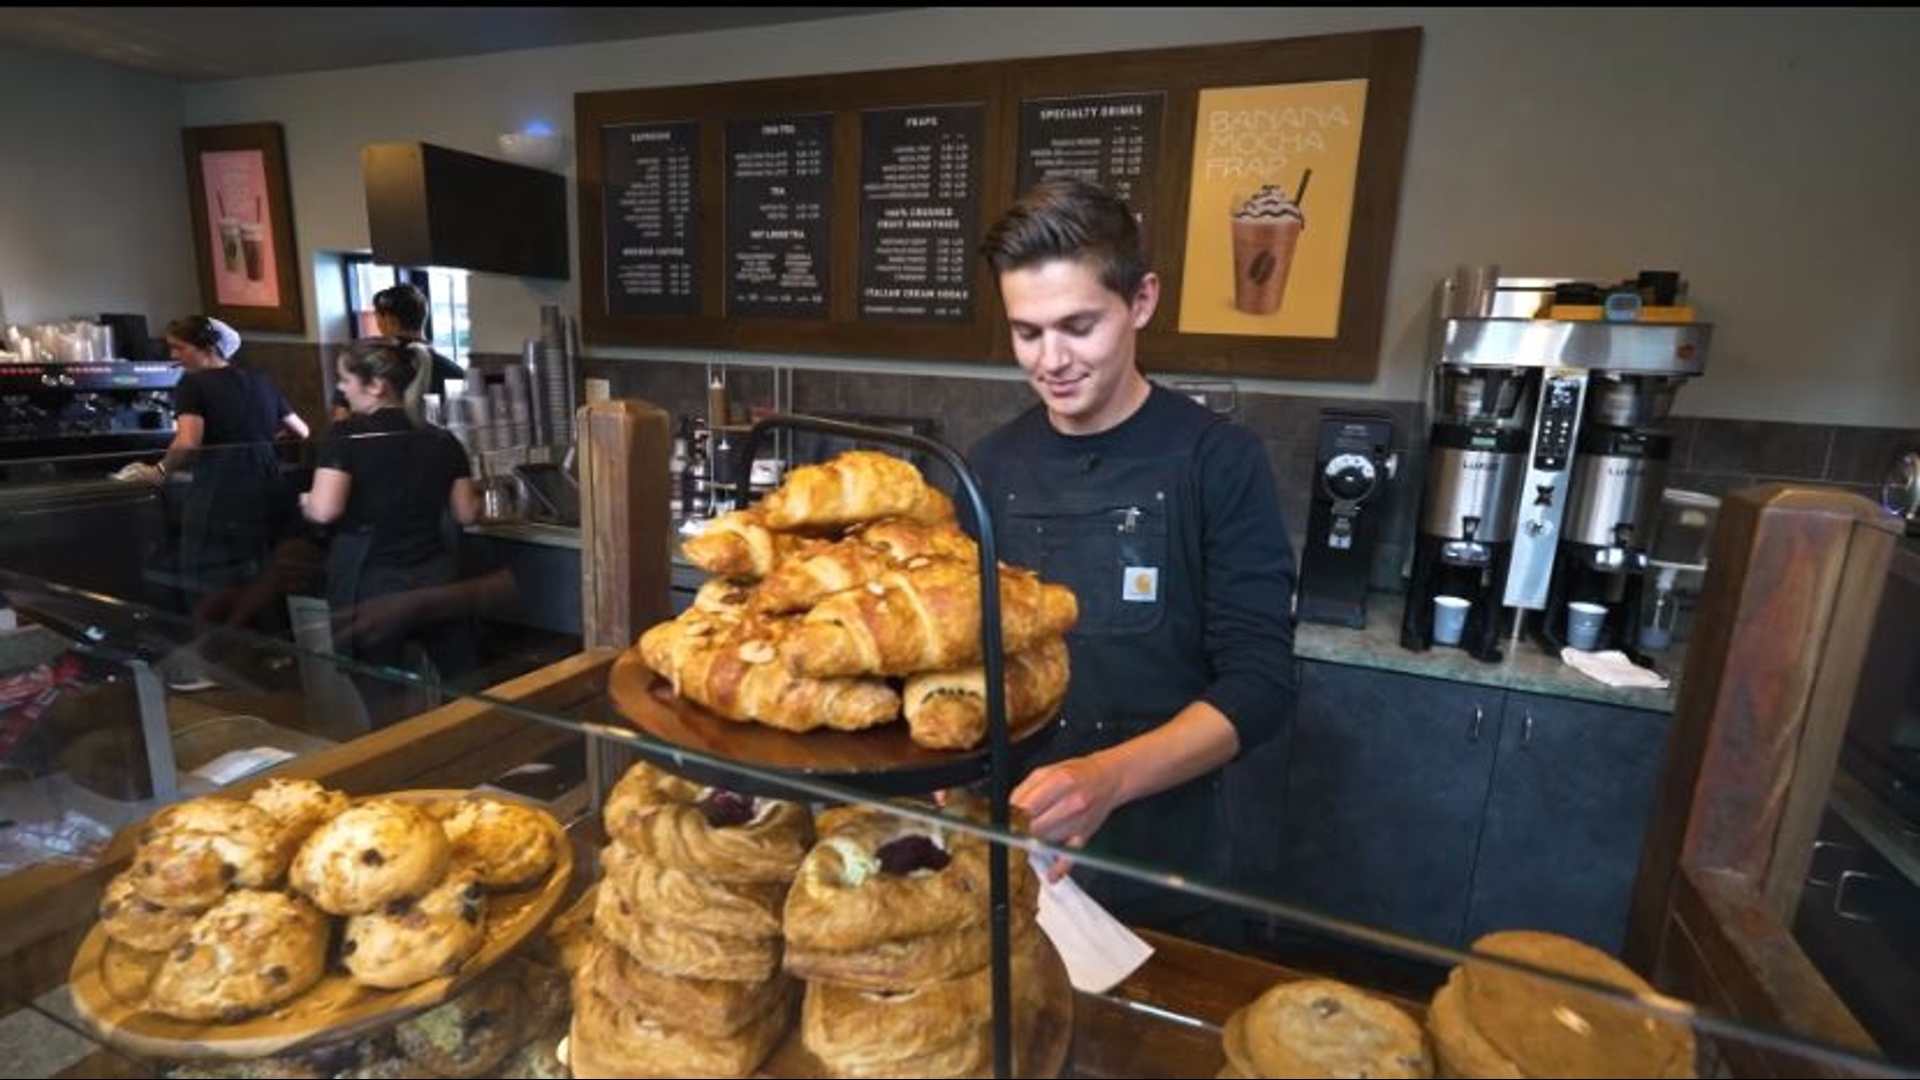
x,y
384,481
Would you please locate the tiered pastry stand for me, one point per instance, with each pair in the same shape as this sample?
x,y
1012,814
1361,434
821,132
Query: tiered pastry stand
x,y
883,761
109,983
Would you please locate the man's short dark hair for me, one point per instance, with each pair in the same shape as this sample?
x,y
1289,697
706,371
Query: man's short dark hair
x,y
406,304
1070,219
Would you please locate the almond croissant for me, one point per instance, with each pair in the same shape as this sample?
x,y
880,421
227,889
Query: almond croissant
x,y
947,710
924,618
859,485
732,668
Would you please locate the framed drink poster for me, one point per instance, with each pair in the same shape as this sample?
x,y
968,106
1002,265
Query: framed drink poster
x,y
243,226
1270,208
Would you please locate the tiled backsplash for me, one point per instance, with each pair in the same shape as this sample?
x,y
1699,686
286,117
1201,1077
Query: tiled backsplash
x,y
1714,456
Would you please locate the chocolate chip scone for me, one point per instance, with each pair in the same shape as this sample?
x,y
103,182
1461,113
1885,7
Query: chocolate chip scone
x,y
467,1036
135,921
413,940
372,854
506,844
193,852
300,806
250,952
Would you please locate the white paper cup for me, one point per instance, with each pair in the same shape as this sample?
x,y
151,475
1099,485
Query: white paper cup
x,y
1584,621
1449,618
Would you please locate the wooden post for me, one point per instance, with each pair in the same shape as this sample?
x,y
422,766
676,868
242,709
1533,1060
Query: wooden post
x,y
626,531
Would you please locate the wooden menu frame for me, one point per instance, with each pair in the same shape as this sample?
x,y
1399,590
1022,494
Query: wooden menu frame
x,y
243,237
1386,59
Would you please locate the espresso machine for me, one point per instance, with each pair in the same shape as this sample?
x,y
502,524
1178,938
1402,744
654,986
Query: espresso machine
x,y
1589,461
1351,471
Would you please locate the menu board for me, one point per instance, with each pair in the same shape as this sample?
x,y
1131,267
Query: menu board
x,y
919,211
779,189
653,218
1111,140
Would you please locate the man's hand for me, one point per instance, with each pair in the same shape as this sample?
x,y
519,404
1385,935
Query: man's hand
x,y
1067,802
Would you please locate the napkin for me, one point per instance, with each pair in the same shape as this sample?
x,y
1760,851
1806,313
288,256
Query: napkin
x,y
1097,948
1613,668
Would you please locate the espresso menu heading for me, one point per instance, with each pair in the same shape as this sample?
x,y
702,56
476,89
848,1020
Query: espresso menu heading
x,y
653,218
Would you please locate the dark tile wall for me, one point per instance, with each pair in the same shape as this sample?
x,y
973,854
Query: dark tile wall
x,y
1717,456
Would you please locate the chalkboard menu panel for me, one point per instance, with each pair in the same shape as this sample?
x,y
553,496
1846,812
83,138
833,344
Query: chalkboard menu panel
x,y
652,218
779,191
1110,140
919,211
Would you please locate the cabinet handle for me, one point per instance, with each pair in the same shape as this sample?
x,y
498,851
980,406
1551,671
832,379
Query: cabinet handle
x,y
1840,895
1828,879
1473,733
1526,729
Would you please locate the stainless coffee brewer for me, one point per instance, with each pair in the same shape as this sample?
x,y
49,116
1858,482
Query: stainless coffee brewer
x,y
1554,428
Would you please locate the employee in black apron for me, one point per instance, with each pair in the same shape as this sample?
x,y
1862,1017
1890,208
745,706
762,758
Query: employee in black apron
x,y
385,480
1163,518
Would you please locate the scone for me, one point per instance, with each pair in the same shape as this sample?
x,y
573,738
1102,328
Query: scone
x,y
300,806
706,830
379,851
194,851
411,941
508,845
876,876
1459,1046
693,900
467,1036
712,1007
607,1040
676,950
1319,1027
251,951
1550,1028
134,921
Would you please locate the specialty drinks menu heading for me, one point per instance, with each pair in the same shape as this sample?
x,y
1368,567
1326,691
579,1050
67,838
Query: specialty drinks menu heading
x,y
919,211
652,218
778,198
1110,140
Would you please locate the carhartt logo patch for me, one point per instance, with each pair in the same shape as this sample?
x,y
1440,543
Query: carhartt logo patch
x,y
1140,584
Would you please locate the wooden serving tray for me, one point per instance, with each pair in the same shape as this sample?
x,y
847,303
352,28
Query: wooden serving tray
x,y
882,759
109,981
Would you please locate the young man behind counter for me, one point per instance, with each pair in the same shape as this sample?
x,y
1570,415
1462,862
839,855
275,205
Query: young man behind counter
x,y
1163,518
400,313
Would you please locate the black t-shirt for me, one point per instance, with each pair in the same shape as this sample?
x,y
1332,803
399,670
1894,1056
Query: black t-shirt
x,y
402,475
237,405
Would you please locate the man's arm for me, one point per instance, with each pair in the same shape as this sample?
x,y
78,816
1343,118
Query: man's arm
x,y
1070,800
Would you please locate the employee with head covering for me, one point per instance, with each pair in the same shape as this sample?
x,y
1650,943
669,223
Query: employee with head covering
x,y
226,420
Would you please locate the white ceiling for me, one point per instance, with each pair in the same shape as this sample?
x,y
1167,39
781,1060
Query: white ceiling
x,y
200,43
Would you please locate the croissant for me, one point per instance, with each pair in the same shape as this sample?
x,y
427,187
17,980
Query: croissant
x,y
905,539
741,545
799,583
732,669
859,485
922,618
947,710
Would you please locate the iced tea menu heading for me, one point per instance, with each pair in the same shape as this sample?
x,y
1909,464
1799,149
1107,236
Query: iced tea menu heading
x,y
653,218
778,197
919,211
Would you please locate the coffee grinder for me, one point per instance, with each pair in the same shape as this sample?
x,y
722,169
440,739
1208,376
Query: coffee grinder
x,y
1476,456
1350,474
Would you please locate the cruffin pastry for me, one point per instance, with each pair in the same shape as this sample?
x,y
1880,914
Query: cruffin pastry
x,y
692,900
662,817
607,1040
712,1007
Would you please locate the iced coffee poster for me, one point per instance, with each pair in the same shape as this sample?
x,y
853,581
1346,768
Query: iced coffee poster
x,y
238,217
1271,207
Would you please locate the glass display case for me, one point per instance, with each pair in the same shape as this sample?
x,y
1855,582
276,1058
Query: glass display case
x,y
881,915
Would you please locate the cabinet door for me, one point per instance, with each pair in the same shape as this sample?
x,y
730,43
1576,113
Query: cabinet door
x,y
1572,792
1387,778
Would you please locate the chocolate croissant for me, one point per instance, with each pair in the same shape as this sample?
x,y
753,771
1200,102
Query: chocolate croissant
x,y
922,618
733,669
859,485
947,710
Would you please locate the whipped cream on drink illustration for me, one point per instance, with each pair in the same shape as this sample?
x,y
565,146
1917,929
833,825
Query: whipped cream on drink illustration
x,y
1266,229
